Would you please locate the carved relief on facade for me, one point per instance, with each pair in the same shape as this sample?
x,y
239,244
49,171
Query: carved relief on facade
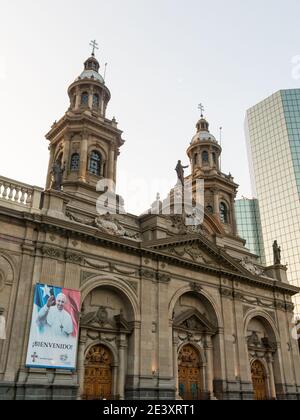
x,y
191,252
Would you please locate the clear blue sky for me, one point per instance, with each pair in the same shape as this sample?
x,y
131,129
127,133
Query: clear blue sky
x,y
164,57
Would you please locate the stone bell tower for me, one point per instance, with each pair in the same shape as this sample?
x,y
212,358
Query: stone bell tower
x,y
220,190
84,143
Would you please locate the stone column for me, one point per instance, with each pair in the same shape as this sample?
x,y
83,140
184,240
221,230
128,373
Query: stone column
x,y
111,164
80,362
216,203
233,218
78,99
66,155
210,367
122,345
83,156
115,166
115,380
175,361
91,92
269,359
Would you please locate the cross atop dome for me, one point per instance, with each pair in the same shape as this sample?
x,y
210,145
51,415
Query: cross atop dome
x,y
201,108
95,47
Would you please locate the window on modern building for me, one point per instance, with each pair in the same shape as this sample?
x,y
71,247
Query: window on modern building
x,y
84,98
75,162
205,157
224,213
96,100
95,163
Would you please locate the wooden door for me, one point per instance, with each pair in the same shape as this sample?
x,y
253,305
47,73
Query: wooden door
x,y
189,374
259,380
98,374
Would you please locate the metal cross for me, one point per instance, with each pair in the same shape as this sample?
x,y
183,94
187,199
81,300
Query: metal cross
x,y
95,46
201,108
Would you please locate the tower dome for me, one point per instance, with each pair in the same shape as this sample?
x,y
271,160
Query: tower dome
x,y
204,151
91,70
89,92
203,133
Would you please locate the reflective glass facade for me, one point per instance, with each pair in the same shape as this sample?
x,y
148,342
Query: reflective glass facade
x,y
273,136
249,226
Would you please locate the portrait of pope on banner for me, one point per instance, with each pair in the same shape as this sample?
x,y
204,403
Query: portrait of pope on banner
x,y
54,328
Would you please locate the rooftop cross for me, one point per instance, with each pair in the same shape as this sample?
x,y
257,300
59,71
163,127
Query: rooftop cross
x,y
201,108
95,47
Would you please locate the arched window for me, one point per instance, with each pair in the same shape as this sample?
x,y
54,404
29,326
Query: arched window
x,y
214,156
205,157
75,162
224,213
95,163
196,159
96,100
209,209
84,98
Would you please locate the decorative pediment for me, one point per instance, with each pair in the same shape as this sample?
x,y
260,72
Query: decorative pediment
x,y
100,320
190,251
199,250
193,320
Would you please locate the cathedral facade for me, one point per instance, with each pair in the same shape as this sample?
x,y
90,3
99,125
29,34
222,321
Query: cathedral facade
x,y
168,310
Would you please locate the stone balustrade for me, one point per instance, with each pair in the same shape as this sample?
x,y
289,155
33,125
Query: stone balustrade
x,y
20,194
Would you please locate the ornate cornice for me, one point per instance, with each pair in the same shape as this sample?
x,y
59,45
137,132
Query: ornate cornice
x,y
71,229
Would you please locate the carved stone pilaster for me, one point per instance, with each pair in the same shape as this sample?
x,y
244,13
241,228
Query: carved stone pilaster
x,y
163,278
226,292
279,305
290,307
238,296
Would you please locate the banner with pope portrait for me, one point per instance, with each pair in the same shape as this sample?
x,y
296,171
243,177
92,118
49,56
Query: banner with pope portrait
x,y
54,328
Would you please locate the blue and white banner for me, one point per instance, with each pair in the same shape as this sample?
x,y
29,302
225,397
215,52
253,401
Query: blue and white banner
x,y
54,328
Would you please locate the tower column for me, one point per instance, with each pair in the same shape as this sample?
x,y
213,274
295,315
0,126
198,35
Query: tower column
x,y
216,202
83,156
91,92
66,155
111,164
78,99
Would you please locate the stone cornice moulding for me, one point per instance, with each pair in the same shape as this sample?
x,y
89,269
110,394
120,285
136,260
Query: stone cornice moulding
x,y
69,228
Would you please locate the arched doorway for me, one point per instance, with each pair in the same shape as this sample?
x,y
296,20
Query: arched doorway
x,y
98,374
259,380
189,374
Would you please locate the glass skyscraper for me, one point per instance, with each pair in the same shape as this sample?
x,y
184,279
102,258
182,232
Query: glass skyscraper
x,y
249,226
273,137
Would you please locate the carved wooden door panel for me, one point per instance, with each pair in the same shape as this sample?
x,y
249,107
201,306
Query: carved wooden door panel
x,y
189,374
98,374
259,380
